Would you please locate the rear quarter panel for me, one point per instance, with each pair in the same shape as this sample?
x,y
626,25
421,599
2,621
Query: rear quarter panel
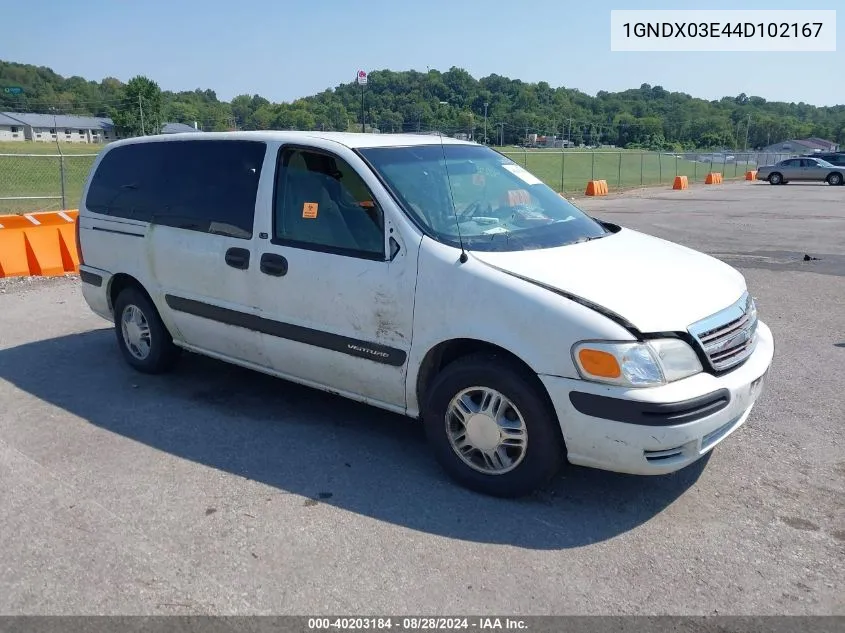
x,y
110,244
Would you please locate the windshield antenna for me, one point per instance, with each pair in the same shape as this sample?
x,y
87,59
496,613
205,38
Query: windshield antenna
x,y
464,257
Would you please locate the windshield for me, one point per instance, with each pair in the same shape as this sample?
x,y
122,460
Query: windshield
x,y
498,205
824,163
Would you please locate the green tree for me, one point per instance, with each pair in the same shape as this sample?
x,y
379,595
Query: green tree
x,y
647,116
140,112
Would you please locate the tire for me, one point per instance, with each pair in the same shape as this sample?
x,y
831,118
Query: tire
x,y
775,178
159,353
543,452
834,179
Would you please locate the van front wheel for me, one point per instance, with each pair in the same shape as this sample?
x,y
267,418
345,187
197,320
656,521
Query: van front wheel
x,y
143,339
492,428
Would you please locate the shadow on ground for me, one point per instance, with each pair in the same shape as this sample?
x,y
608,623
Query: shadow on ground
x,y
322,447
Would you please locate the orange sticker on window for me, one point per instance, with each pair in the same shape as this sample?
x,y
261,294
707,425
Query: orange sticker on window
x,y
309,210
367,204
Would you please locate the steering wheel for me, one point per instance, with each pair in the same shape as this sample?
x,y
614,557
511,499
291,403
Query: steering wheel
x,y
472,208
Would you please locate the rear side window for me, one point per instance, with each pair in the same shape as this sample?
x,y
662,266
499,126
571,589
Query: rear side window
x,y
207,186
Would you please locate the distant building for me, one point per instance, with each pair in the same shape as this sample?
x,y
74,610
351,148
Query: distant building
x,y
46,128
10,129
802,146
65,128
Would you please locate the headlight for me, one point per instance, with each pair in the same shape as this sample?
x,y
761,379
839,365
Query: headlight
x,y
645,364
751,309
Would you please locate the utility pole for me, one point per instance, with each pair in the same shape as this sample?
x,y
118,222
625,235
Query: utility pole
x,y
141,110
61,158
569,134
485,123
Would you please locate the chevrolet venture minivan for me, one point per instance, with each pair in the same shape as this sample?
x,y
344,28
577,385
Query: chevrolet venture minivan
x,y
430,277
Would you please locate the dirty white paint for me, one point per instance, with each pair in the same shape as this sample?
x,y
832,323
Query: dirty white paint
x,y
425,296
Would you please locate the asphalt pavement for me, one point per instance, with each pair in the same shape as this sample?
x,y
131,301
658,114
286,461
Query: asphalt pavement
x,y
221,491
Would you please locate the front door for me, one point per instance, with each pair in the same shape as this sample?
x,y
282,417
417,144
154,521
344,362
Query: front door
x,y
812,170
335,281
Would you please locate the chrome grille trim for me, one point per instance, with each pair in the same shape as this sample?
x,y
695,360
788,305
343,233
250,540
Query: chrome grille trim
x,y
728,337
718,333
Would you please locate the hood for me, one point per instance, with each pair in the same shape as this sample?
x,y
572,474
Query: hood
x,y
655,285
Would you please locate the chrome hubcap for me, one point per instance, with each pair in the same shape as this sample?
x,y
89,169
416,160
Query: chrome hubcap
x,y
486,430
136,332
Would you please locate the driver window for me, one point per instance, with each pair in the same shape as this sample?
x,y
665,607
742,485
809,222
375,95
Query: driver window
x,y
322,203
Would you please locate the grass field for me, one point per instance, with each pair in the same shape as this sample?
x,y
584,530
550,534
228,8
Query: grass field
x,y
566,171
12,147
40,175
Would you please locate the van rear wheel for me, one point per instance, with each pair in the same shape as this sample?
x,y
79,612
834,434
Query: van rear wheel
x,y
143,339
492,428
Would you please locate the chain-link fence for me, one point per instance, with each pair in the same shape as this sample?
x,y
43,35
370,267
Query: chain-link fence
x,y
42,182
569,170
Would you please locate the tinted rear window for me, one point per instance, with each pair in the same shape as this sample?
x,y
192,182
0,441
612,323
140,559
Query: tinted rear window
x,y
197,185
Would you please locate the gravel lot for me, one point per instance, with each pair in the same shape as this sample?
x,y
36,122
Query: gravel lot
x,y
217,490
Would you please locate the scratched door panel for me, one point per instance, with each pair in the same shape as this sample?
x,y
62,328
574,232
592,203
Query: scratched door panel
x,y
341,322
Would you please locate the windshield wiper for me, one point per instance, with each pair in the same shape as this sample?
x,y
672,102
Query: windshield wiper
x,y
589,238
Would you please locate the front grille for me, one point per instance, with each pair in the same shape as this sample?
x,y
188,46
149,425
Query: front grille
x,y
729,336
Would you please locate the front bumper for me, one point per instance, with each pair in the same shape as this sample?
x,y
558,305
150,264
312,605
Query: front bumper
x,y
662,429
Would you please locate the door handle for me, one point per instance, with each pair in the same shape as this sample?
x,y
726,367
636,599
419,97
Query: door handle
x,y
275,265
238,258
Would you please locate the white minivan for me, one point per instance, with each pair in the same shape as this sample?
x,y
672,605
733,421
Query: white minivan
x,y
430,277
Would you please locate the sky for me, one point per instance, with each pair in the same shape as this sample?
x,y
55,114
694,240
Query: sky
x,y
285,49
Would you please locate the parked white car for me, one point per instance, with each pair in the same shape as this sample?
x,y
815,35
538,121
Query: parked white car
x,y
431,277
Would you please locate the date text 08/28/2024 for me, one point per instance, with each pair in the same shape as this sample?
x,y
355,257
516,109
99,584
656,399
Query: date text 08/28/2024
x,y
415,623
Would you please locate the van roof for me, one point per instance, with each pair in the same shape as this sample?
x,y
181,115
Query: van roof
x,y
349,139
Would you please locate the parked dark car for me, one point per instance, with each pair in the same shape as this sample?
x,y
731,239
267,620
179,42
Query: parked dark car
x,y
835,158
